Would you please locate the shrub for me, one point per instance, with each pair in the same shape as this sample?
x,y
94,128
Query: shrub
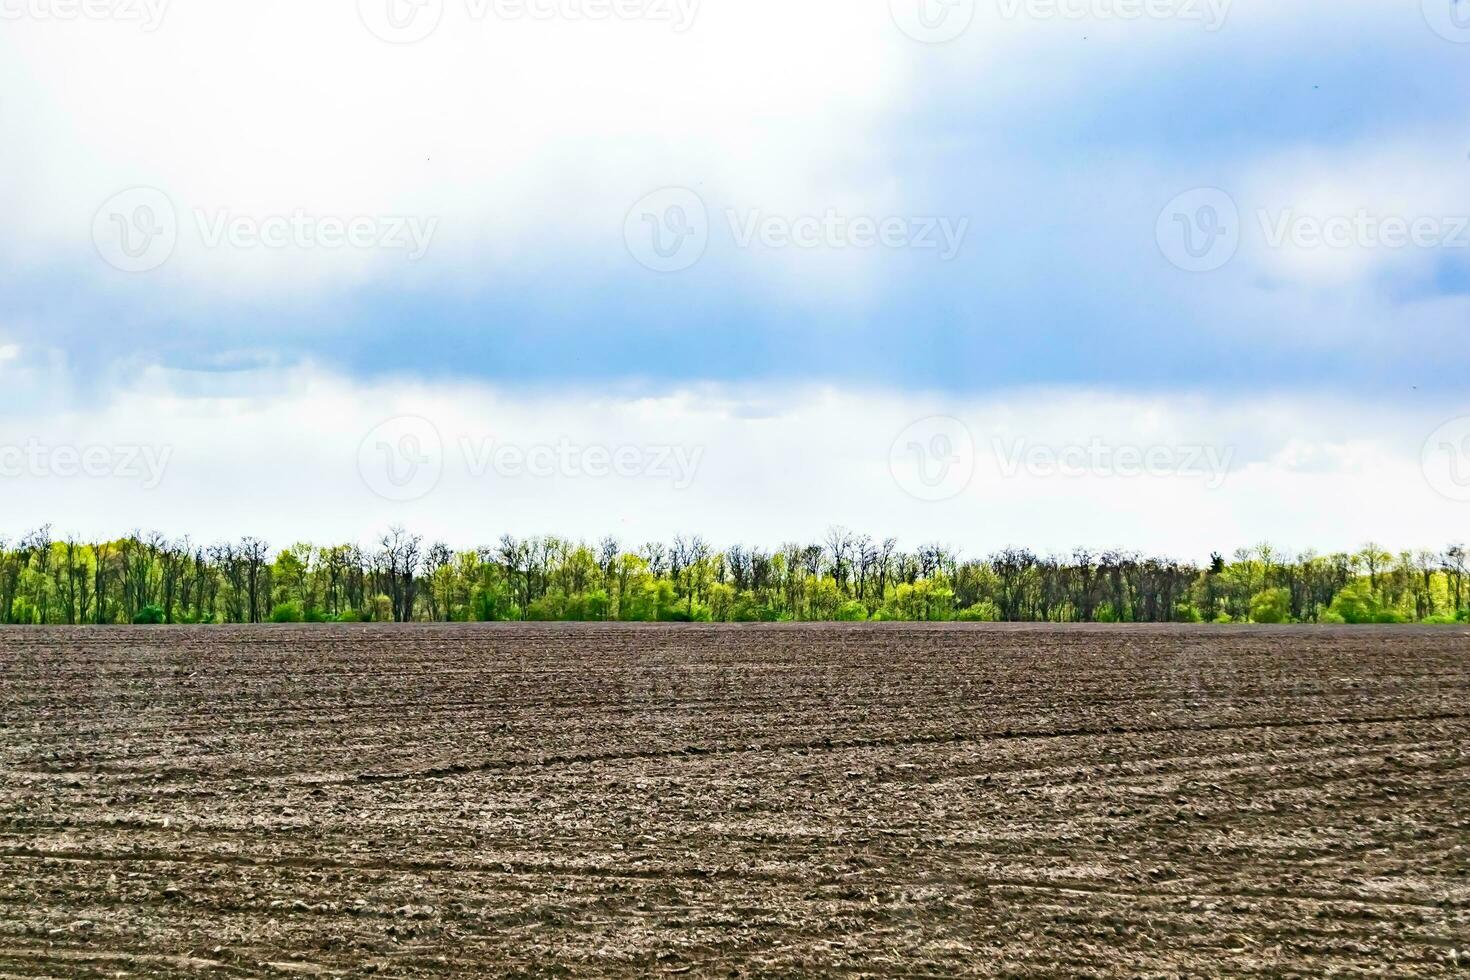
x,y
382,609
287,612
588,607
748,609
1355,605
1271,607
852,611
149,616
548,609
488,607
983,611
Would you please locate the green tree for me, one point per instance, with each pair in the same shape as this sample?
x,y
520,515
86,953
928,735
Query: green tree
x,y
1271,606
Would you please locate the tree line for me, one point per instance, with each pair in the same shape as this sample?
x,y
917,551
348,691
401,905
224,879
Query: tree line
x,y
152,578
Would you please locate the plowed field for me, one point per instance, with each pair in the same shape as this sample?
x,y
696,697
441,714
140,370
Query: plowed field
x,y
459,800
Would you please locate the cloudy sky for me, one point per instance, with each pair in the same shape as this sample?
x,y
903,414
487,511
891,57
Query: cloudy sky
x,y
1180,275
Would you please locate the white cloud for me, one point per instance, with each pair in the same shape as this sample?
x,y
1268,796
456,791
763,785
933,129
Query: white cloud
x,y
305,454
528,140
1325,219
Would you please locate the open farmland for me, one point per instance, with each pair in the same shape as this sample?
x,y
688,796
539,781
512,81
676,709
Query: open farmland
x,y
627,800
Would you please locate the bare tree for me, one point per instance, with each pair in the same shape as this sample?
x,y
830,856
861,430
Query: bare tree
x,y
253,555
1454,564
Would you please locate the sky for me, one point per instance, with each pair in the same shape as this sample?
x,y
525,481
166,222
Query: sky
x,y
1176,275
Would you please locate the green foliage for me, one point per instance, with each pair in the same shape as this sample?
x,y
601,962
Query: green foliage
x,y
748,608
680,612
1358,605
1355,604
492,605
547,609
722,602
149,616
844,577
1271,606
984,611
287,612
587,607
382,609
927,600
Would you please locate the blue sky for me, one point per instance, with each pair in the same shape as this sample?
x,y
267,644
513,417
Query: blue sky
x,y
1054,146
1059,146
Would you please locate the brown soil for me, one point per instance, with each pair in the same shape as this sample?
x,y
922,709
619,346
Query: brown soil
x,y
897,800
